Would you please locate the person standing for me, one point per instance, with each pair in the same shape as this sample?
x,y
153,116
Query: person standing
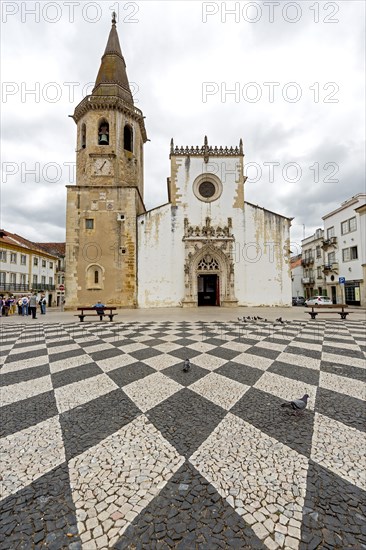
x,y
33,305
42,304
20,306
7,304
25,305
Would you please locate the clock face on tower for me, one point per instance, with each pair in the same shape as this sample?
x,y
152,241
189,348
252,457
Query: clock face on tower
x,y
102,167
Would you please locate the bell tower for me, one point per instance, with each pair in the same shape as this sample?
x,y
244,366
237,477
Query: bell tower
x,y
101,242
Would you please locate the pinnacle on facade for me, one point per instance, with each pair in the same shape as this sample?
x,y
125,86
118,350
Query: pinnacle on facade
x,y
112,76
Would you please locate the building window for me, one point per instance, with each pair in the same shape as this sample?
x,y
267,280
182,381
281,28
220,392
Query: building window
x,y
23,259
352,224
35,261
23,279
318,252
44,263
349,225
330,232
207,187
349,254
51,265
94,276
50,280
89,223
83,136
103,133
2,278
3,255
128,138
13,258
43,280
13,278
319,273
35,279
331,257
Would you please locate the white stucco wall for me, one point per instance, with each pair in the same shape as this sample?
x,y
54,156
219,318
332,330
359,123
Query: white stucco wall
x,y
262,275
160,258
351,270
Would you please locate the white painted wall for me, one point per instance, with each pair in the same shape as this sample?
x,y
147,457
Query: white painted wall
x,y
262,276
351,270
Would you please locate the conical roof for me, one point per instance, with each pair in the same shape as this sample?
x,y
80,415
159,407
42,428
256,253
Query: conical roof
x,y
112,76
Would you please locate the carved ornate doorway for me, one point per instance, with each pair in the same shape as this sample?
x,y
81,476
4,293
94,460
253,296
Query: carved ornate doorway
x,y
208,269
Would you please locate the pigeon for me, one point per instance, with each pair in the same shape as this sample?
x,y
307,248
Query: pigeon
x,y
279,320
297,404
187,365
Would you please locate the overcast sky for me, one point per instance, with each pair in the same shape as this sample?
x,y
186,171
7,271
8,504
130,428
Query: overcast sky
x,y
295,71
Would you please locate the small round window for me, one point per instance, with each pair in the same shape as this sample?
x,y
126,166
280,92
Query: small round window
x,y
206,189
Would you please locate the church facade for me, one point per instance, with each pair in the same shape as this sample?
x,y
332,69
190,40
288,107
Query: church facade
x,y
205,246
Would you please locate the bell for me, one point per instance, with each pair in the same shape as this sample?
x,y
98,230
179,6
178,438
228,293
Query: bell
x,y
103,139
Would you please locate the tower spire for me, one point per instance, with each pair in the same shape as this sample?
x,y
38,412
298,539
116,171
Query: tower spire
x,y
112,76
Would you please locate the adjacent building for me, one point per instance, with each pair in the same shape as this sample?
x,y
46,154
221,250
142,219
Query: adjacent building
x,y
58,250
297,276
337,253
312,261
344,251
25,267
206,246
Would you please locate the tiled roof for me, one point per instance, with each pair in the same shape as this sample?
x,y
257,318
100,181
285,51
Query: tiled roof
x,y
57,249
17,240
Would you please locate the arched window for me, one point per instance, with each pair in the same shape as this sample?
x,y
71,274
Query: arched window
x,y
128,138
83,136
94,275
103,132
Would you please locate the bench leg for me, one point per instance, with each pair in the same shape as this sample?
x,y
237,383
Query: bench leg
x,y
110,317
81,317
313,314
343,315
101,317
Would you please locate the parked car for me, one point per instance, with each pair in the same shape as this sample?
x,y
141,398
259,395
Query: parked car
x,y
318,300
298,301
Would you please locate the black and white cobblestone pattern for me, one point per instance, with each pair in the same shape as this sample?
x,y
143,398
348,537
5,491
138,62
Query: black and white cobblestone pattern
x,y
106,443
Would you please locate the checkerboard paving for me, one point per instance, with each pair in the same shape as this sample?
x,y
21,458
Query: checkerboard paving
x,y
107,443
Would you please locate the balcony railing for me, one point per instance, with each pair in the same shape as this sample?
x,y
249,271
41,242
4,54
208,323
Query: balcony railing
x,y
307,261
308,280
14,287
330,267
17,287
41,286
329,242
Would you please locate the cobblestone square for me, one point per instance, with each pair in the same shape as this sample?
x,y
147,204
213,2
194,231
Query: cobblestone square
x,y
107,444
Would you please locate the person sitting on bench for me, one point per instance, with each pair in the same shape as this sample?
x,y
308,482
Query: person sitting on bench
x,y
99,307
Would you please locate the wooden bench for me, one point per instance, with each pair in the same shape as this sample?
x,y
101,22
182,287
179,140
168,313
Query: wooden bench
x,y
99,312
342,307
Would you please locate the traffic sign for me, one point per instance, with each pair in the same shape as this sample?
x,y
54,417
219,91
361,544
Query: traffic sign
x,y
61,287
342,280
